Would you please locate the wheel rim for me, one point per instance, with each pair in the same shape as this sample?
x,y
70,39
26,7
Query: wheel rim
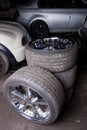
x,y
51,44
29,103
39,30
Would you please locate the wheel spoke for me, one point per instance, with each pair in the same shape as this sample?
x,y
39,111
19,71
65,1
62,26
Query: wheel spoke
x,y
28,110
40,102
23,107
18,94
38,112
29,94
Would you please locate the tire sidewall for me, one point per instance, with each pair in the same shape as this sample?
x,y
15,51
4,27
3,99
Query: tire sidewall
x,y
5,63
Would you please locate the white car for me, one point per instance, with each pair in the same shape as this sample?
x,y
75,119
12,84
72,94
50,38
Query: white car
x,y
13,37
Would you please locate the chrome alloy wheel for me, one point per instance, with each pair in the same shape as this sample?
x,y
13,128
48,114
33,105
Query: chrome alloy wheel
x,y
29,103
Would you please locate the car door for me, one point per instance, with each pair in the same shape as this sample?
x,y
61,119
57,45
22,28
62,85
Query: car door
x,y
77,18
64,16
57,19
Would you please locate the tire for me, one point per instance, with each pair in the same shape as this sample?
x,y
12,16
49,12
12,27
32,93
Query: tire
x,y
4,64
38,29
83,33
68,94
67,78
54,61
38,84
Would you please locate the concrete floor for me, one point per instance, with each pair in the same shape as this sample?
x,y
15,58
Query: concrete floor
x,y
73,116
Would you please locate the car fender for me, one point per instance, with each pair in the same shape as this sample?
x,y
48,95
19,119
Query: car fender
x,y
10,56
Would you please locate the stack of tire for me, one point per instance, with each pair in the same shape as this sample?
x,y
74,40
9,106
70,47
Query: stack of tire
x,y
39,90
61,63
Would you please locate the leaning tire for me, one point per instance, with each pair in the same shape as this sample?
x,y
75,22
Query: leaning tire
x,y
67,78
55,60
39,90
38,29
4,63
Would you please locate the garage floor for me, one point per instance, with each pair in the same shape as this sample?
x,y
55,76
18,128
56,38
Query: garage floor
x,y
73,116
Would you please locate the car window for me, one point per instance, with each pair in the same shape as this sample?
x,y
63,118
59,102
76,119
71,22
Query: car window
x,y
61,4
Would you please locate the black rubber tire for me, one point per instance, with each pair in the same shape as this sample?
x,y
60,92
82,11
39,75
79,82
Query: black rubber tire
x,y
54,61
83,33
4,64
67,78
68,94
42,82
38,29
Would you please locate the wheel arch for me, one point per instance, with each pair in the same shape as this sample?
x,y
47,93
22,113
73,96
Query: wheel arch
x,y
38,18
35,30
9,55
